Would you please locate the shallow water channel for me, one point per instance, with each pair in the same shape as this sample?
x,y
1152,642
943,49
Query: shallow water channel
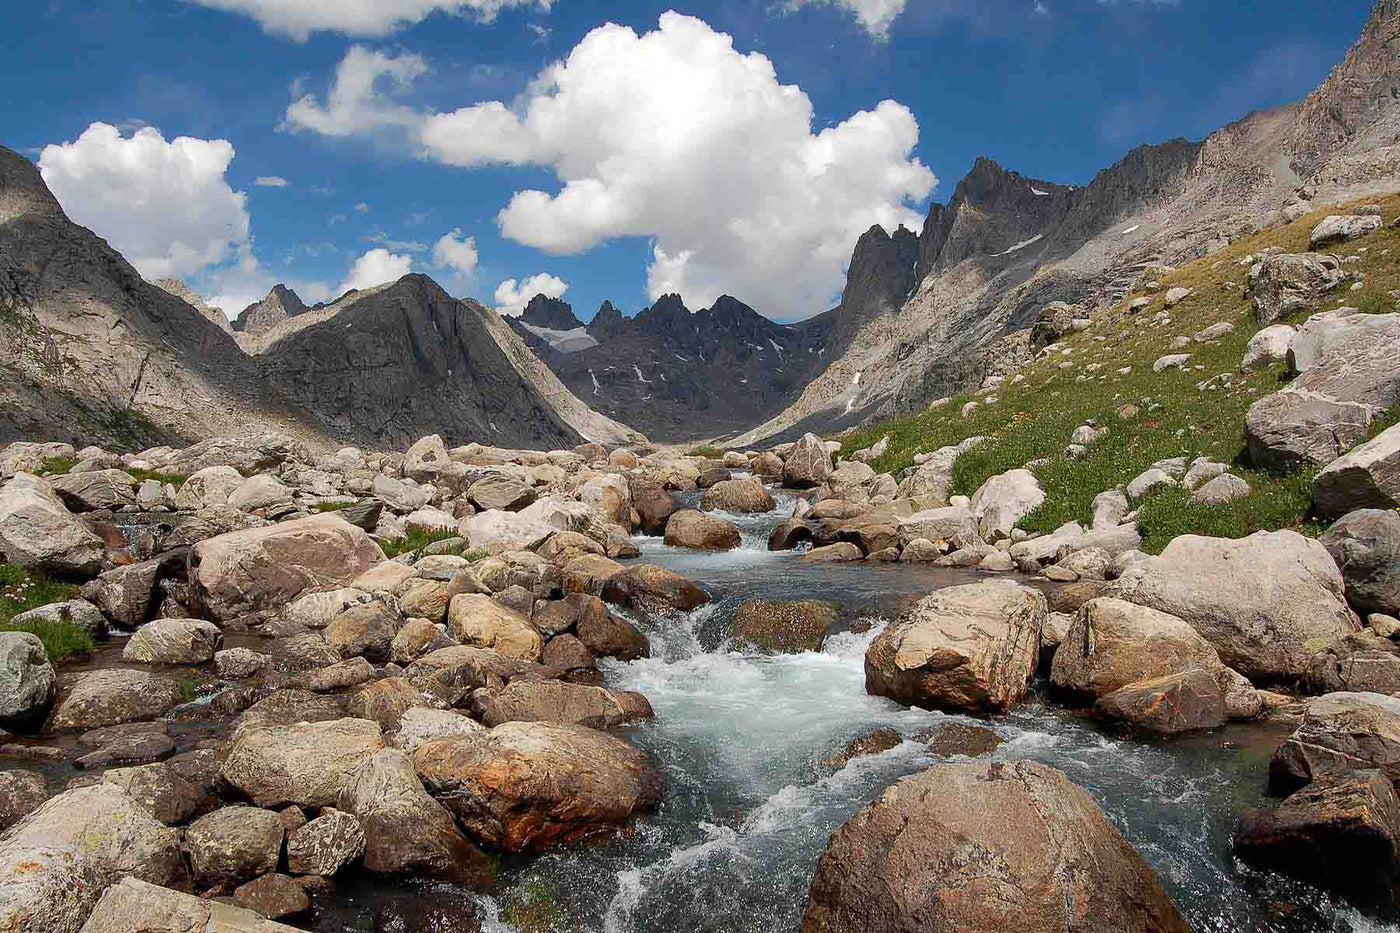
x,y
749,807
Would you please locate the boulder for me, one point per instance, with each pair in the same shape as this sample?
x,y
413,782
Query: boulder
x,y
524,786
415,639
1342,832
738,495
611,636
502,492
1268,347
1366,477
934,476
28,684
38,532
424,724
1002,501
1264,602
327,844
290,706
784,627
701,532
385,701
233,845
173,642
649,588
112,696
480,621
1168,705
406,830
77,612
262,492
980,847
128,595
842,552
96,489
428,461
556,701
1340,228
364,631
263,568
609,496
953,523
273,896
317,610
1112,643
654,504
55,862
1109,508
1223,489
969,648
1340,732
1347,377
134,905
21,793
165,790
305,764
807,464
1285,283
1366,548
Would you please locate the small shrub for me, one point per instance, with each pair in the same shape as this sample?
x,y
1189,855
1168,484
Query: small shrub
x,y
21,591
53,466
175,479
415,540
709,451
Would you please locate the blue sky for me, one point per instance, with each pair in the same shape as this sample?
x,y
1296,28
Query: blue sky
x,y
738,147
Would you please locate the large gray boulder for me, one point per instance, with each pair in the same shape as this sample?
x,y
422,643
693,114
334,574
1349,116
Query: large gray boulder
x,y
56,861
95,489
174,642
693,529
557,701
233,845
1339,228
807,464
1367,477
1265,602
1347,377
1284,284
1003,500
969,648
38,532
1112,643
114,696
934,476
1268,347
28,684
305,764
1366,547
262,568
406,830
524,786
1340,732
983,847
77,612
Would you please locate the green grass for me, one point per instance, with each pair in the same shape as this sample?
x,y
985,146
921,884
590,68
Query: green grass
x,y
174,479
189,687
1033,420
709,451
21,591
415,540
332,506
53,466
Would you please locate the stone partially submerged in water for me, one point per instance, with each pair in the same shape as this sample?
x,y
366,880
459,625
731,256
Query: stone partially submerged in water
x,y
969,648
985,847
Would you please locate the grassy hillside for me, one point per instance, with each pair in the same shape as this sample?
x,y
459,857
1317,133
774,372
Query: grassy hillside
x,y
1174,417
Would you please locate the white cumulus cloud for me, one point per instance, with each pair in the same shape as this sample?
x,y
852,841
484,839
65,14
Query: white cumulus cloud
x,y
376,267
513,296
875,16
361,98
455,252
271,181
676,136
298,19
164,205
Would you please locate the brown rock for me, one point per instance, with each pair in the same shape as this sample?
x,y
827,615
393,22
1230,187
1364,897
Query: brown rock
x,y
272,896
653,589
698,531
1168,705
785,627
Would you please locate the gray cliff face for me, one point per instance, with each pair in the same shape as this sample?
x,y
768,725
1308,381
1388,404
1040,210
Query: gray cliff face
x,y
881,275
404,360
552,313
1004,246
92,352
180,290
262,316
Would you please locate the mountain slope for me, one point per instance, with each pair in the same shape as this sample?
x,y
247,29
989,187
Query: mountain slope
x,y
678,375
1005,246
403,360
261,316
179,289
89,351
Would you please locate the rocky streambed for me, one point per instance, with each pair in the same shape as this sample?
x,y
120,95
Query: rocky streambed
x,y
726,755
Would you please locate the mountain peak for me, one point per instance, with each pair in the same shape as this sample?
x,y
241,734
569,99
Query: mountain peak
x,y
280,304
552,313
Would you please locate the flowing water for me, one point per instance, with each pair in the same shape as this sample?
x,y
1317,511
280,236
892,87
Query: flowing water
x,y
749,807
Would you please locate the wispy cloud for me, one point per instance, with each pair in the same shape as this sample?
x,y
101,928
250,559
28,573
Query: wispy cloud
x,y
271,181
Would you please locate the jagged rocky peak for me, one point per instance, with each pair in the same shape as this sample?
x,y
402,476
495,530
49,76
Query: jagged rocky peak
x,y
993,212
608,323
22,190
881,274
552,313
280,304
181,290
